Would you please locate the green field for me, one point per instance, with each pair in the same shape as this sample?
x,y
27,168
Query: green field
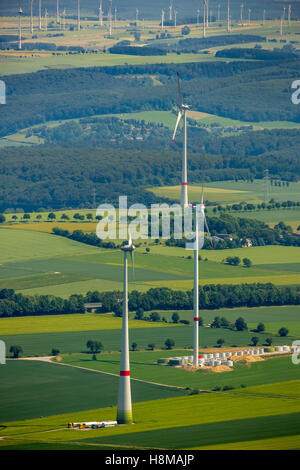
x,y
31,389
33,262
273,317
23,245
230,192
75,341
284,389
173,424
258,373
70,322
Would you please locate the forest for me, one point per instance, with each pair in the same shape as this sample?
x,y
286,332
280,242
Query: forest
x,y
225,89
58,177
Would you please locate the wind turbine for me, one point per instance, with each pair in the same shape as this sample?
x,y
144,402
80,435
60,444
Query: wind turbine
x,y
20,13
46,19
184,203
31,16
175,18
110,18
100,14
242,6
219,6
171,10
57,12
64,18
40,15
196,278
204,18
124,411
182,109
78,15
162,19
228,16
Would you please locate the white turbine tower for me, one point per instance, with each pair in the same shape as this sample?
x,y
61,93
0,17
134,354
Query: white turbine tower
x,y
78,15
57,12
124,411
171,10
182,109
31,16
175,18
228,16
242,6
219,6
64,18
110,18
40,15
46,19
100,14
184,203
162,19
196,278
204,17
20,13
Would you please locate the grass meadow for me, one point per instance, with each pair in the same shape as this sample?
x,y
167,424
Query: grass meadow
x,y
191,422
143,366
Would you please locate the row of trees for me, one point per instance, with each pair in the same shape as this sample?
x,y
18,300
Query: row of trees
x,y
210,297
13,304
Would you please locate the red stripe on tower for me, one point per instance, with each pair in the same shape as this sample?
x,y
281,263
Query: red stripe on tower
x,y
125,373
196,319
183,184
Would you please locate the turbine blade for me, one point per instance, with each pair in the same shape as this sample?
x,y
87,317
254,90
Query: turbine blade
x,y
179,91
177,122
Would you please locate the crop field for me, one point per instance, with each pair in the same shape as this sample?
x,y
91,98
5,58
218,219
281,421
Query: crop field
x,y
70,322
272,317
33,262
34,388
172,423
268,371
285,389
230,192
75,341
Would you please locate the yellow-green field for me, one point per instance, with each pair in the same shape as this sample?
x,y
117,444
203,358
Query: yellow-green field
x,y
221,420
76,322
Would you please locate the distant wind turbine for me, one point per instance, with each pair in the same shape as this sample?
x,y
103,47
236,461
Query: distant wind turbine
x,y
20,13
100,14
78,15
31,16
40,15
